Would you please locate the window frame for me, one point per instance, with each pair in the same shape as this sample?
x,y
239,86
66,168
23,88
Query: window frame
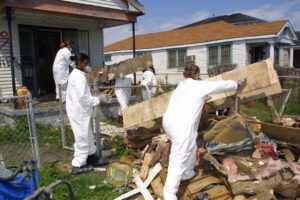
x,y
219,57
176,59
106,56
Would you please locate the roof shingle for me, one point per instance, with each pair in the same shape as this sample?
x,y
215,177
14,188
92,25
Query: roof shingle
x,y
197,34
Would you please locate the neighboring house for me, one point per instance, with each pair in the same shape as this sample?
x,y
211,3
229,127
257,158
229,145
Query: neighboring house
x,y
297,52
210,45
235,19
39,26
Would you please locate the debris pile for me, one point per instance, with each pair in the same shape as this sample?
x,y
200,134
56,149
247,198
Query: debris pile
x,y
236,159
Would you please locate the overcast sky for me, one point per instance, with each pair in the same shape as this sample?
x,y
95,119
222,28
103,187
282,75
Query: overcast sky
x,y
163,15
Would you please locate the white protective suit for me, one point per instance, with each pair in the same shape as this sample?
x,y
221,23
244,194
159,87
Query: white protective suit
x,y
79,106
180,122
148,80
61,70
123,94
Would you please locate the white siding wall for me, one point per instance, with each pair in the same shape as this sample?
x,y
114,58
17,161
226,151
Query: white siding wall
x,y
48,20
239,54
200,57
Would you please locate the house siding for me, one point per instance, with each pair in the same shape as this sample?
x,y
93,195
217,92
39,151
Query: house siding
x,y
239,54
96,48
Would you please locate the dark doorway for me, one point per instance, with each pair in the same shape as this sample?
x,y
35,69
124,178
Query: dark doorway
x,y
48,45
38,48
257,54
297,58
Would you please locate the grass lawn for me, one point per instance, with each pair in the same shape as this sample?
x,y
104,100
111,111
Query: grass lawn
x,y
80,184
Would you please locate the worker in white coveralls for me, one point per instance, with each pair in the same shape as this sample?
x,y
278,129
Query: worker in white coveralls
x,y
123,94
181,120
63,59
79,106
149,84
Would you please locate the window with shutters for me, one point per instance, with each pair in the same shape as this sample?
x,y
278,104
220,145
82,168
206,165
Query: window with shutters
x,y
176,58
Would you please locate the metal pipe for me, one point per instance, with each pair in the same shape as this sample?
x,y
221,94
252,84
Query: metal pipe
x,y
34,130
8,11
285,102
61,121
133,48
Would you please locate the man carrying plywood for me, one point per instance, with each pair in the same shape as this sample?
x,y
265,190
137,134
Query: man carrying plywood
x,y
181,121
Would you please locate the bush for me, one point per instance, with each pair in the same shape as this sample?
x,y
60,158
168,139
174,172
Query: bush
x,y
219,69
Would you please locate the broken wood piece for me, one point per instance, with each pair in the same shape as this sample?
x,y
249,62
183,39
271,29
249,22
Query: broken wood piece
x,y
163,175
281,133
157,186
129,66
143,188
266,195
145,150
289,156
190,189
274,114
262,81
126,159
145,166
219,193
161,154
152,174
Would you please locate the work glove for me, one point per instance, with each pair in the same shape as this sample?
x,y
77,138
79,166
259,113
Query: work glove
x,y
241,81
104,98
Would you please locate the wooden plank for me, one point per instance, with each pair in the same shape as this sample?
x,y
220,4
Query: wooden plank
x,y
152,174
274,114
281,133
262,81
157,186
128,66
145,166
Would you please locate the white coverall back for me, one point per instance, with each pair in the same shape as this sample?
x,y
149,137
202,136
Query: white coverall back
x,y
148,79
61,70
180,122
123,94
79,106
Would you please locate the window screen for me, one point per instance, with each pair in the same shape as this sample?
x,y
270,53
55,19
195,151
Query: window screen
x,y
181,54
213,55
225,54
172,58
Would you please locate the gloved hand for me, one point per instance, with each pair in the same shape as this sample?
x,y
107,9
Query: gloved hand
x,y
104,98
241,81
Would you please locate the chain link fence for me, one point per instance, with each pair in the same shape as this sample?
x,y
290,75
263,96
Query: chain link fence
x,y
18,131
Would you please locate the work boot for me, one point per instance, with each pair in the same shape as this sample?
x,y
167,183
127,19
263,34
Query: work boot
x,y
82,170
95,160
186,176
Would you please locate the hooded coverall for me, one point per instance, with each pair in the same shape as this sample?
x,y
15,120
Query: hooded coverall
x,y
148,79
123,94
180,122
79,106
61,70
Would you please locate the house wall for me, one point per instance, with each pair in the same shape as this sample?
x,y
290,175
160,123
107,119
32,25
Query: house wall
x,y
45,20
239,53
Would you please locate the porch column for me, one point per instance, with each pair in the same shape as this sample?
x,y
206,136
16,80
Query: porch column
x,y
133,49
281,53
271,52
291,57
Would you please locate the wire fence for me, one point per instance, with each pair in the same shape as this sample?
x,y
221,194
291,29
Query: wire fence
x,y
19,139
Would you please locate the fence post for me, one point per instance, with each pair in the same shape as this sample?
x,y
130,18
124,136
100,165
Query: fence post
x,y
97,130
34,131
61,121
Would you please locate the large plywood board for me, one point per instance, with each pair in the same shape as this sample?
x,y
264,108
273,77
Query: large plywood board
x,y
111,72
262,81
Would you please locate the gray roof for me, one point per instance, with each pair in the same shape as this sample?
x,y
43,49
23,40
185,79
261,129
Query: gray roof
x,y
236,18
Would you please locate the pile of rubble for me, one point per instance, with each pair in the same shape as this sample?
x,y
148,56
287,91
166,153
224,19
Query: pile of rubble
x,y
238,157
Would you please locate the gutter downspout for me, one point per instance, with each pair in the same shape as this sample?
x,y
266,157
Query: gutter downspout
x,y
8,11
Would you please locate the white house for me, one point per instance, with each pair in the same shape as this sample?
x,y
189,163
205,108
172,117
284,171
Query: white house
x,y
208,45
39,26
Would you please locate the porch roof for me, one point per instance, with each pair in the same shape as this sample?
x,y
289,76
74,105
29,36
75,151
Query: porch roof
x,y
79,9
